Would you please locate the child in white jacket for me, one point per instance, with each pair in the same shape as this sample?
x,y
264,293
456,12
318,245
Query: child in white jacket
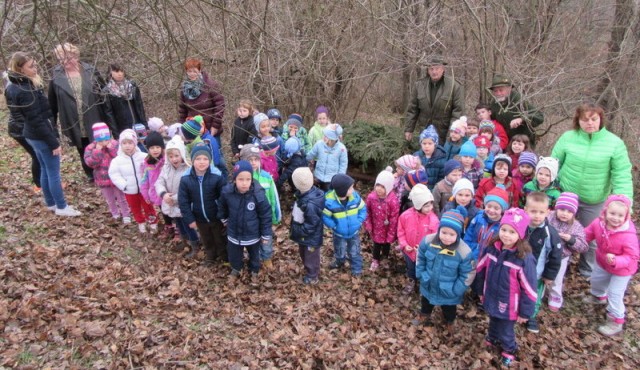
x,y
125,173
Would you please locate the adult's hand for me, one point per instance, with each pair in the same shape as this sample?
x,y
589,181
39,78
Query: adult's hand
x,y
515,122
408,136
57,151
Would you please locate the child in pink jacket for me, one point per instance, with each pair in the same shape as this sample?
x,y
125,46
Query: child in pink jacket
x,y
413,225
151,168
383,209
616,260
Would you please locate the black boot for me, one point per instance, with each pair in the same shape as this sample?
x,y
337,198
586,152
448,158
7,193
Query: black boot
x,y
195,248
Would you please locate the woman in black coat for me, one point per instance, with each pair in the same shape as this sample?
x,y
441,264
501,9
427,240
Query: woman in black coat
x,y
124,99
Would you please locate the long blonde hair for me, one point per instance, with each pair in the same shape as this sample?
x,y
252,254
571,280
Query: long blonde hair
x,y
17,62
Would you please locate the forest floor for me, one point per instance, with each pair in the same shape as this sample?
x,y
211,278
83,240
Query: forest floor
x,y
88,292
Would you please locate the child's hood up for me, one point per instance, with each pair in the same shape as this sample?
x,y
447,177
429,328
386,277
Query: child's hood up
x,y
177,143
617,198
128,134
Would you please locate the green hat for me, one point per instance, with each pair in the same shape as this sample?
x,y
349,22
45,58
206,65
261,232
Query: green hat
x,y
435,60
501,80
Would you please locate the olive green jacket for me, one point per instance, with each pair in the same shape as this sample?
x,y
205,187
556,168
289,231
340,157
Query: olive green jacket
x,y
512,108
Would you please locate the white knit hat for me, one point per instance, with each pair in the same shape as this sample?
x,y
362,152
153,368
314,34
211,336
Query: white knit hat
x,y
549,163
386,179
459,125
302,178
463,184
420,195
155,124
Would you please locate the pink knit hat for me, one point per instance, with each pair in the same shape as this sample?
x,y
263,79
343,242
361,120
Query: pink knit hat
x,y
408,162
568,201
101,132
518,219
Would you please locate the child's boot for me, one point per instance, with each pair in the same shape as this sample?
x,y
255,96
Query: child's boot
x,y
153,228
195,248
374,265
142,228
267,264
167,231
611,327
507,359
409,287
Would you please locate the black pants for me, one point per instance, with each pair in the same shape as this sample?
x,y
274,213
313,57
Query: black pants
x,y
35,164
168,221
381,251
83,145
449,311
215,245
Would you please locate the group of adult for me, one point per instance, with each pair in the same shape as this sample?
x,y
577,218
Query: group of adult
x,y
77,98
594,163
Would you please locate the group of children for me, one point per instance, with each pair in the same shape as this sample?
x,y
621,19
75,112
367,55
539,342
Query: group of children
x,y
464,215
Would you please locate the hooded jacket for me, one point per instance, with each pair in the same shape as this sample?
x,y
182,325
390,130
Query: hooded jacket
x,y
199,198
169,179
413,226
126,171
100,160
247,215
434,166
151,172
329,160
622,242
487,184
344,219
310,232
480,232
271,192
546,248
577,243
382,217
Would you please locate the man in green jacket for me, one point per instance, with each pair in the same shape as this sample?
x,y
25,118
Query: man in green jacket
x,y
515,114
436,99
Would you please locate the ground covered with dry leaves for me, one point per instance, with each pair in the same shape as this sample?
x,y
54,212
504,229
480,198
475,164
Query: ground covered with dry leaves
x,y
90,293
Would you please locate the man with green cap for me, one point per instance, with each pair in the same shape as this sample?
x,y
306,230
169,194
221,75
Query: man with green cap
x,y
509,108
436,99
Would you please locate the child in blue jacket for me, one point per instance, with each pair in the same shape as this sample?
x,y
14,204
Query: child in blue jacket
x,y
330,156
507,275
432,156
245,211
344,212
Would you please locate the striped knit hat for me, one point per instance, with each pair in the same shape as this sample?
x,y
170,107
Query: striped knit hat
x,y
454,219
486,124
413,178
529,158
568,201
499,195
191,129
408,162
101,132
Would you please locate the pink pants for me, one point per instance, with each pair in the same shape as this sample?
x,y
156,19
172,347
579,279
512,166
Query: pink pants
x,y
142,211
115,198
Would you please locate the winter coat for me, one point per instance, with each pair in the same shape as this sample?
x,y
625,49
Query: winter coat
x,y
169,182
126,112
151,172
247,215
413,226
305,142
472,211
271,192
310,232
198,199
126,171
452,149
553,192
475,173
382,217
446,106
515,160
296,161
577,243
593,165
444,274
215,151
501,134
487,164
508,283
29,110
480,232
441,194
99,160
269,163
519,179
243,133
344,220
64,108
434,166
489,183
515,107
316,133
547,249
622,242
209,104
329,160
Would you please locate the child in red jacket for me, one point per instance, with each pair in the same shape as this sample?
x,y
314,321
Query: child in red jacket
x,y
500,174
383,209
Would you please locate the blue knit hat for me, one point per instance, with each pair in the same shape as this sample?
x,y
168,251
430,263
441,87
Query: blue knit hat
x,y
454,219
451,165
468,149
269,143
429,133
200,149
191,129
242,166
292,146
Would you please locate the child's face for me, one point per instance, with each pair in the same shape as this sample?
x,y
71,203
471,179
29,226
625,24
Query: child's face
x,y
464,197
323,119
544,177
454,175
381,192
447,235
242,112
502,170
508,235
482,152
483,114
615,214
274,122
164,131
472,130
537,211
201,163
293,130
526,169
330,143
564,215
467,161
155,151
517,147
128,147
488,134
428,146
454,136
265,128
243,181
255,163
174,158
399,171
493,211
426,208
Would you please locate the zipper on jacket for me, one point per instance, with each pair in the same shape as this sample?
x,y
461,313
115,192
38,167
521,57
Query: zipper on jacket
x,y
134,174
202,198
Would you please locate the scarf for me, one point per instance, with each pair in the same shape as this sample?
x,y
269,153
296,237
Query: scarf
x,y
121,90
192,89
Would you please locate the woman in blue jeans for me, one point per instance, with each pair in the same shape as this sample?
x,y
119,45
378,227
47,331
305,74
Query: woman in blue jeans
x,y
26,99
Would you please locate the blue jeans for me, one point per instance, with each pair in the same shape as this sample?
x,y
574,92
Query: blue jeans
x,y
49,174
185,230
266,250
411,267
348,248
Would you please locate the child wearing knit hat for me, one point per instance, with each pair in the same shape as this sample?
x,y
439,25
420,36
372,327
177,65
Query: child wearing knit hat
x,y
545,181
432,156
456,137
484,226
487,128
482,151
141,131
383,210
483,113
573,239
329,155
506,274
98,155
413,225
472,168
151,171
344,212
443,189
462,195
500,174
306,223
293,128
194,132
295,158
445,267
525,170
404,164
157,125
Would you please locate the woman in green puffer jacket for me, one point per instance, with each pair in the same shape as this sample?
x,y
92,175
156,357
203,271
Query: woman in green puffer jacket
x,y
594,163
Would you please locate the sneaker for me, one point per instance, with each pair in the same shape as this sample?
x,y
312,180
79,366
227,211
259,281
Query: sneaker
x,y
590,298
67,212
335,265
234,274
36,189
142,228
51,208
554,309
490,343
309,281
126,220
374,265
409,287
507,359
153,228
255,279
532,326
610,328
267,264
